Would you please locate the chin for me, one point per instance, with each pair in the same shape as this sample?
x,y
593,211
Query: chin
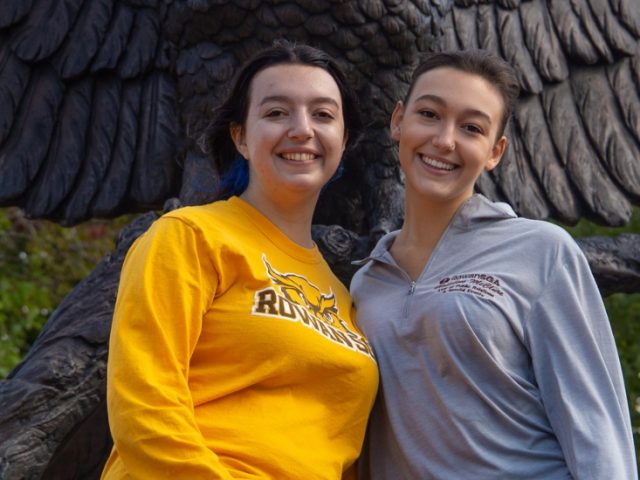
x,y
302,187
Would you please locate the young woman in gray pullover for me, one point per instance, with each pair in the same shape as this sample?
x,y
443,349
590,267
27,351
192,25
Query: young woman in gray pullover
x,y
496,356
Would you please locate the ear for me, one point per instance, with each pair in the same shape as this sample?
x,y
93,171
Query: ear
x,y
496,154
237,135
396,119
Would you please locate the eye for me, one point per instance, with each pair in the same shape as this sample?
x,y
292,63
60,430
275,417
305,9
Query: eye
x,y
471,128
275,112
325,115
428,114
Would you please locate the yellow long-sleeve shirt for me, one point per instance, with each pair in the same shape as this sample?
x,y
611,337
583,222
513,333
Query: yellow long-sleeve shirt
x,y
233,355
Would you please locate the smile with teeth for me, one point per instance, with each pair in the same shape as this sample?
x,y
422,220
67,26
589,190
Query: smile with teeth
x,y
298,156
432,162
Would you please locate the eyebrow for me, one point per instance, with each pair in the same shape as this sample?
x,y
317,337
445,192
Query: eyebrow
x,y
284,98
468,111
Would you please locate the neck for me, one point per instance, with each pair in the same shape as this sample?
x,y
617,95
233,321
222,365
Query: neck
x,y
425,221
293,216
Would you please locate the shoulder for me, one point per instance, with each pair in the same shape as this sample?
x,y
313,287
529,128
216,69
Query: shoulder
x,y
537,249
551,251
203,228
481,214
214,220
545,235
198,215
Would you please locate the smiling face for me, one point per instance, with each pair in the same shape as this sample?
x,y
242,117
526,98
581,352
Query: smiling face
x,y
294,133
447,134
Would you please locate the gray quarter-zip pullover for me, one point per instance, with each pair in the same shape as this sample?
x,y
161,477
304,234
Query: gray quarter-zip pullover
x,y
498,362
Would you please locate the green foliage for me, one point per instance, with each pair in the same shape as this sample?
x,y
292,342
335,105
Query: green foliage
x,y
40,262
624,312
585,228
24,306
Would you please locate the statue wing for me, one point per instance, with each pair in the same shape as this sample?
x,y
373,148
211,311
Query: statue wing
x,y
90,93
88,122
575,140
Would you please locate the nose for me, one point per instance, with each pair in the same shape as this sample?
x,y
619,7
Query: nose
x,y
445,138
301,126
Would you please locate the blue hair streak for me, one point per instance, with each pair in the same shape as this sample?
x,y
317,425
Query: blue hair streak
x,y
236,179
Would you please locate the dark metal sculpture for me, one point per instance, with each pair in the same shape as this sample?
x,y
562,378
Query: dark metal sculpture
x,y
101,102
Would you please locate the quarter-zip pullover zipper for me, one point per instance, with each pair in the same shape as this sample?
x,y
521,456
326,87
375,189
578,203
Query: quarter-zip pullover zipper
x,y
412,289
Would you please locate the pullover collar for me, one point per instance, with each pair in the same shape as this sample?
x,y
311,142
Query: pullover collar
x,y
475,210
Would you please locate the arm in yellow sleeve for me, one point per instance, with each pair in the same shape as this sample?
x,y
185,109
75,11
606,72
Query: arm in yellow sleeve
x,y
166,284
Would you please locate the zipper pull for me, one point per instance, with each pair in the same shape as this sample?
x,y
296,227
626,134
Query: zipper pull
x,y
413,288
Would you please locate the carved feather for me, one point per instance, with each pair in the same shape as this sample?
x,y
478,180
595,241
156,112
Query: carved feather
x,y
141,46
515,49
627,91
605,203
619,39
12,11
85,38
14,77
99,150
536,138
57,175
155,172
45,28
518,182
541,41
610,139
26,147
113,191
115,41
573,37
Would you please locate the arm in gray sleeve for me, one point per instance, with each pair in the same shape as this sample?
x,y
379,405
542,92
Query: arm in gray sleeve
x,y
578,372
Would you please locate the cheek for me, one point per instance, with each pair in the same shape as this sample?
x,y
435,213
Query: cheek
x,y
405,150
334,141
413,135
478,152
260,140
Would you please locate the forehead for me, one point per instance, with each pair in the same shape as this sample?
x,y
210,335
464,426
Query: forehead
x,y
294,82
458,89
